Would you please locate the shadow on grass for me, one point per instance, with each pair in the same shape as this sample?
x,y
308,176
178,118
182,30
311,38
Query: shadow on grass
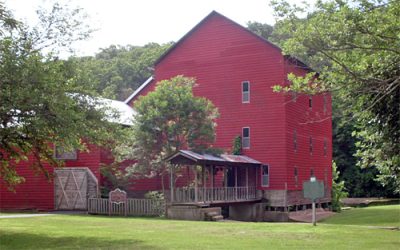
x,y
11,240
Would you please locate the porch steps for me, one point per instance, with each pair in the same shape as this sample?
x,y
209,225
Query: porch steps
x,y
213,216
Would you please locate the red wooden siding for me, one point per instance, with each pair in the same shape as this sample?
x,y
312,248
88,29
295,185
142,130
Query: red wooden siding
x,y
221,54
308,122
38,192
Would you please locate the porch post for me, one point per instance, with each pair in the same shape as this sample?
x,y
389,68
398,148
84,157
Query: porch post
x,y
172,183
247,182
212,182
225,193
196,188
203,171
236,183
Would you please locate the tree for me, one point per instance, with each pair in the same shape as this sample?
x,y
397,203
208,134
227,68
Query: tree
x,y
338,189
262,29
117,71
39,103
354,45
168,119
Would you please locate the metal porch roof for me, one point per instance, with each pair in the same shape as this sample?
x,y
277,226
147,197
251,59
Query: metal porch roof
x,y
192,158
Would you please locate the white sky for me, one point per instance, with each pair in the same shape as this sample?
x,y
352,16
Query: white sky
x,y
138,22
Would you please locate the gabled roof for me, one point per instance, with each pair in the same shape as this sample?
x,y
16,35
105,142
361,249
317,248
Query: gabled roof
x,y
147,82
192,158
194,29
215,13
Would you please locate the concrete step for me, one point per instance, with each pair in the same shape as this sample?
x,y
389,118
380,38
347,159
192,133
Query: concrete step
x,y
217,218
211,214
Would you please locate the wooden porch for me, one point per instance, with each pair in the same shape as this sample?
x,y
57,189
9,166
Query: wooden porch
x,y
216,195
239,184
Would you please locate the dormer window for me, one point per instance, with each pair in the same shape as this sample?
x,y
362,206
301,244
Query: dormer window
x,y
245,92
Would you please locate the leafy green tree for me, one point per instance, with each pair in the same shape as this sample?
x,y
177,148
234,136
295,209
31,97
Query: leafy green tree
x,y
338,189
262,29
117,71
39,103
168,119
354,45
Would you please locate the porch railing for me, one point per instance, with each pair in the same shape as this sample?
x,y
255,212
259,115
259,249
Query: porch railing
x,y
216,194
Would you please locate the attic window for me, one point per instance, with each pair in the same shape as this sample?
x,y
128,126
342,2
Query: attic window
x,y
310,102
245,92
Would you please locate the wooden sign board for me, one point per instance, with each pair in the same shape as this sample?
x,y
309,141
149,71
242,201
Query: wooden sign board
x,y
313,190
117,196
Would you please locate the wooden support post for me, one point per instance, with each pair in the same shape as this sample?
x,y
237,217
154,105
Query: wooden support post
x,y
225,193
236,180
196,185
212,182
171,188
247,183
203,172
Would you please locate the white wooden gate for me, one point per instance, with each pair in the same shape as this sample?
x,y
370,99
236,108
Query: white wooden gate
x,y
71,188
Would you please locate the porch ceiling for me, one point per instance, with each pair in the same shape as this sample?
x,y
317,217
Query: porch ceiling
x,y
187,157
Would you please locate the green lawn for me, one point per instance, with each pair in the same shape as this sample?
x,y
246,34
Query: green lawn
x,y
384,216
102,232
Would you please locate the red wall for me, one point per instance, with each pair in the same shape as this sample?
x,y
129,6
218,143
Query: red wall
x,y
37,192
221,54
306,121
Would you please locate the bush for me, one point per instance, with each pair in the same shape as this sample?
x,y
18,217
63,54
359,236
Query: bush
x,y
160,201
338,189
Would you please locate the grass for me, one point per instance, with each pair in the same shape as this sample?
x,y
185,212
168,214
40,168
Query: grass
x,y
102,232
381,216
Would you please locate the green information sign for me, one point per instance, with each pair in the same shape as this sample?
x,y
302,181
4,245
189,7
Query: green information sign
x,y
313,190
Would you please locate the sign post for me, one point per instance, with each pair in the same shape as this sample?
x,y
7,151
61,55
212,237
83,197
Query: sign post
x,y
313,190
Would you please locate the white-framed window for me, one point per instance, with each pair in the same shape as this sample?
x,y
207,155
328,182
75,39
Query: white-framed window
x,y
311,145
295,140
312,174
310,101
265,175
61,154
245,92
296,176
246,137
325,147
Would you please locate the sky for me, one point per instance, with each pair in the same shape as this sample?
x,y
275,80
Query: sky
x,y
138,22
